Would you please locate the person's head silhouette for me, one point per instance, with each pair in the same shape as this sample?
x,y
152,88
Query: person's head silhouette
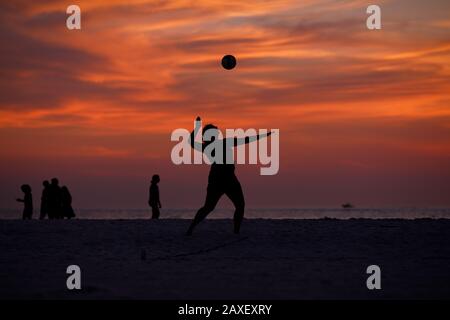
x,y
45,183
55,181
25,188
155,178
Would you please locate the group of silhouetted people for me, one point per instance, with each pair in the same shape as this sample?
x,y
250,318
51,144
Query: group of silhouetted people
x,y
56,201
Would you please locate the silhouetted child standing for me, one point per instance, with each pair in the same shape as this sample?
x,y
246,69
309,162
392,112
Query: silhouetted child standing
x,y
27,201
153,200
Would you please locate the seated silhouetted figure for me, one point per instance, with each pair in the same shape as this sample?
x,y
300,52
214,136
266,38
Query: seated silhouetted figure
x,y
153,200
66,203
27,202
44,200
54,206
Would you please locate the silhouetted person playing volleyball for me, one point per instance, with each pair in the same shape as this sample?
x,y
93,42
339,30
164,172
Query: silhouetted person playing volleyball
x,y
221,179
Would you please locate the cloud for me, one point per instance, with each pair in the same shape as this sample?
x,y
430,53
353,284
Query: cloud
x,y
136,71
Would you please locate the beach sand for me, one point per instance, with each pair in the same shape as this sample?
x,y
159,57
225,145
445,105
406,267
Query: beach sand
x,y
271,259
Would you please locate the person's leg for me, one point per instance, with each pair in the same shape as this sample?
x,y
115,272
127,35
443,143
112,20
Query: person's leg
x,y
234,192
27,215
60,213
155,212
51,213
42,213
213,195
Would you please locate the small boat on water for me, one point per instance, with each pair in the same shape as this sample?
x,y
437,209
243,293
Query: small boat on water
x,y
347,206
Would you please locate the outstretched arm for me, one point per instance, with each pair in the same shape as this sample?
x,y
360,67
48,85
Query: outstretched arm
x,y
246,140
196,145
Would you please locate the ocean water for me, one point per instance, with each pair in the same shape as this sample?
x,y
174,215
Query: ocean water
x,y
268,213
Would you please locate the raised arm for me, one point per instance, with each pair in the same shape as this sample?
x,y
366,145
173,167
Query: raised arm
x,y
196,145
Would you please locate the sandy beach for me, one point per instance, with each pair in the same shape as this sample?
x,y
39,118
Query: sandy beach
x,y
271,259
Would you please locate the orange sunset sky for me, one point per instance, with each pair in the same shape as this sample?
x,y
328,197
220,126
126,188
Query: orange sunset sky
x,y
364,116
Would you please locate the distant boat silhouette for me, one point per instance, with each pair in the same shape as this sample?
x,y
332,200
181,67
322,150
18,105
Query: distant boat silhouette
x,y
347,206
